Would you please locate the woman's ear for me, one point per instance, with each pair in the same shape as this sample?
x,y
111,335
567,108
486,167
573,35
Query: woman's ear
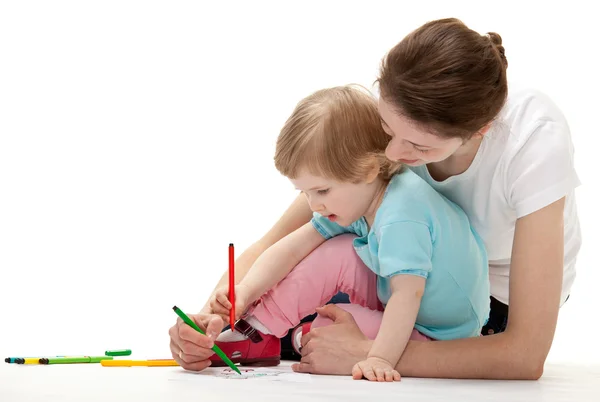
x,y
483,131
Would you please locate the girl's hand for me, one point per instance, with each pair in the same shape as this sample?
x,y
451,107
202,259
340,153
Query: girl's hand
x,y
375,369
221,305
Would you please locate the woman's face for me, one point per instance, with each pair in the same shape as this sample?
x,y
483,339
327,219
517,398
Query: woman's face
x,y
410,145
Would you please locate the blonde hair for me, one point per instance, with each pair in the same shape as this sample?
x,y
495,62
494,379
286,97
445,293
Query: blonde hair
x,y
334,133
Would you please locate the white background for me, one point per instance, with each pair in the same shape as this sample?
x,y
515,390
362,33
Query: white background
x,y
137,137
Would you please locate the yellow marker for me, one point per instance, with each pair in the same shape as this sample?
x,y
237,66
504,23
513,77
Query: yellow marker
x,y
36,360
146,363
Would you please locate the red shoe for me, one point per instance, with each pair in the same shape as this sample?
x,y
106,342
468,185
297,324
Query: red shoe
x,y
297,334
259,350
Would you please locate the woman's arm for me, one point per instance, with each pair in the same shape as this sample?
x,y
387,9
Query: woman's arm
x,y
279,260
518,353
535,285
297,214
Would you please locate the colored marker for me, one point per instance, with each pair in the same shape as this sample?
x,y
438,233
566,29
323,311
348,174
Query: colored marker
x,y
216,349
232,287
71,360
121,352
145,363
31,360
21,360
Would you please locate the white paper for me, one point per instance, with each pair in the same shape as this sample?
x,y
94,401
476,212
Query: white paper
x,y
282,374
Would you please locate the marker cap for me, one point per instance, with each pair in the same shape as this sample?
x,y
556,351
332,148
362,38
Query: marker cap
x,y
120,352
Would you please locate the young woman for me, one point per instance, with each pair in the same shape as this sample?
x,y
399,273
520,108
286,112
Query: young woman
x,y
503,154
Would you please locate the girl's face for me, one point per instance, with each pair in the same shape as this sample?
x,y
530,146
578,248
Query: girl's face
x,y
410,145
340,202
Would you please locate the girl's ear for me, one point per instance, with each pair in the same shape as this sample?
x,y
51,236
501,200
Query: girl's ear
x,y
373,171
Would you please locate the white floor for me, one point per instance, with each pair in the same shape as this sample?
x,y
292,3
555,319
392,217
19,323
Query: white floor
x,y
93,382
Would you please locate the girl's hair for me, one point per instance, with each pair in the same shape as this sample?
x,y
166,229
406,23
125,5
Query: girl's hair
x,y
334,133
446,78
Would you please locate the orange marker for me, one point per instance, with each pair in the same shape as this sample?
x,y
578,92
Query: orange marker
x,y
231,287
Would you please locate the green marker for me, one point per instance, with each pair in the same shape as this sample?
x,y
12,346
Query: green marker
x,y
122,352
217,350
70,360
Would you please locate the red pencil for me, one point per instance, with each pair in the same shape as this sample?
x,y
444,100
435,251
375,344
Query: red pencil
x,y
231,286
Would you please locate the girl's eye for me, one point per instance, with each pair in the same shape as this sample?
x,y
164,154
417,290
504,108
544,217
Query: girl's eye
x,y
323,192
421,150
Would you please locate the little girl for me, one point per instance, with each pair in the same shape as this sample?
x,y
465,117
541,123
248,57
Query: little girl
x,y
407,256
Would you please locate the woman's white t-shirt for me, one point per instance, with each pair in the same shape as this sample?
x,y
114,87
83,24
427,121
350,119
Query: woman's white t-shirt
x,y
524,163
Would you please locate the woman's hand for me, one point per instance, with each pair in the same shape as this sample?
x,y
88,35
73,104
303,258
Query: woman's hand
x,y
333,349
189,347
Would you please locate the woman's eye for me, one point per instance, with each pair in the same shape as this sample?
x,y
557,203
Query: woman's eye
x,y
323,192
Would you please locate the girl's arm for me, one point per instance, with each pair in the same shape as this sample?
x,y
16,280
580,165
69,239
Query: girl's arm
x,y
535,286
276,262
297,214
398,318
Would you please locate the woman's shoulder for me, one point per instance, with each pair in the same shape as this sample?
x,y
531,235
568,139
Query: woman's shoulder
x,y
527,107
531,149
529,119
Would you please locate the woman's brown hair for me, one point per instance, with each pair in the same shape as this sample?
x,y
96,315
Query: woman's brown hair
x,y
446,78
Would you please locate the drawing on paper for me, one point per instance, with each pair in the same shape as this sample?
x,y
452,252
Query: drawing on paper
x,y
246,373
